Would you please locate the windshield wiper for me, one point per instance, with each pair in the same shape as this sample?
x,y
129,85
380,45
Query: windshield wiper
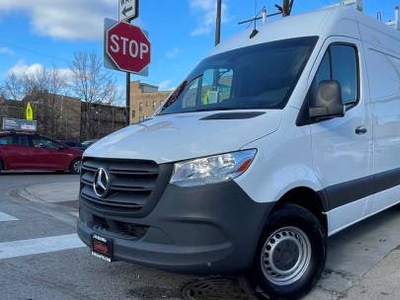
x,y
175,95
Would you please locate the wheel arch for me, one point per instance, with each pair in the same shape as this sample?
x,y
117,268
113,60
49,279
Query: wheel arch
x,y
313,201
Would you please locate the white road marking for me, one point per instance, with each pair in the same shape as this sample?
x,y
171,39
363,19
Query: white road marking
x,y
74,213
4,217
40,246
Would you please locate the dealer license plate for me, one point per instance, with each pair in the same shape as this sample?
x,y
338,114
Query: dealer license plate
x,y
101,247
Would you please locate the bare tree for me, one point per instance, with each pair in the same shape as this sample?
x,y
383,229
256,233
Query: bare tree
x,y
42,88
92,84
43,80
14,87
90,81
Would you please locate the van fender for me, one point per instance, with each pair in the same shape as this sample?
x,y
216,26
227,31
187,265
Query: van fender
x,y
271,187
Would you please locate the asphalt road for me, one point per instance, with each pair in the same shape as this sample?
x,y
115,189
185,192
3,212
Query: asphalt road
x,y
41,257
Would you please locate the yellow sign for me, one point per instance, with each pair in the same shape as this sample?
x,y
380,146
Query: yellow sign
x,y
29,112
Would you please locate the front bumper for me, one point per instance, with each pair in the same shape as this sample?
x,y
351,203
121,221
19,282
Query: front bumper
x,y
203,230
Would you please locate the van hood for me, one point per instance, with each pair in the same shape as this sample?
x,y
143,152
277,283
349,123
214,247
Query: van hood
x,y
176,137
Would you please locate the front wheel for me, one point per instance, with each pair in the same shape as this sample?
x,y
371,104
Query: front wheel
x,y
75,167
291,253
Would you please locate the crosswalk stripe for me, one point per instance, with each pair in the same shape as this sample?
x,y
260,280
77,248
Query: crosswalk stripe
x,y
39,246
4,217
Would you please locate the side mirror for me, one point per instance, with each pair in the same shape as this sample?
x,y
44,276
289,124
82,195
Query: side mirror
x,y
328,101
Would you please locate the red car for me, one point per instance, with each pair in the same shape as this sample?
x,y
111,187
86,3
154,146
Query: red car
x,y
29,151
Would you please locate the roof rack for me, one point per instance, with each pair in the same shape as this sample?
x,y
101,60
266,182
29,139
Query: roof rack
x,y
396,23
358,3
359,6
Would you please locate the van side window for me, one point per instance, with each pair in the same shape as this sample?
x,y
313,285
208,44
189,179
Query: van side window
x,y
340,63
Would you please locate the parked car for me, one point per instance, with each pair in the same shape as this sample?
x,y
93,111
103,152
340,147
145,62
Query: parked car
x,y
87,143
73,145
30,151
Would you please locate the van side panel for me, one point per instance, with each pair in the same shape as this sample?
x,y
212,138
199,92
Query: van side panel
x,y
385,98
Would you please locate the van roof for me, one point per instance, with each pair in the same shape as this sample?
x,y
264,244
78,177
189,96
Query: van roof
x,y
329,21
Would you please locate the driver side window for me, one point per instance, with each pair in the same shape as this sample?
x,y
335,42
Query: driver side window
x,y
40,142
340,63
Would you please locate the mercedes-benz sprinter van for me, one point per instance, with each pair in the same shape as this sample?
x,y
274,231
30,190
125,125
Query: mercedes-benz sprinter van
x,y
271,144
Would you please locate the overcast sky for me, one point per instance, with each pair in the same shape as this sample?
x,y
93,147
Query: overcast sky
x,y
36,33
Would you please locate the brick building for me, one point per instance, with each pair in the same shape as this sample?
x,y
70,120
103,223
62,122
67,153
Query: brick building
x,y
66,118
98,120
145,99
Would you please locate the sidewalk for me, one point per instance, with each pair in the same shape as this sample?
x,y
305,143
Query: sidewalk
x,y
51,192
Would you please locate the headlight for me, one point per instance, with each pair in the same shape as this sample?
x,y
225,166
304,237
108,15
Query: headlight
x,y
213,169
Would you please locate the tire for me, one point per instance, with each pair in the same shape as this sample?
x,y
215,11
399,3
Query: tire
x,y
1,166
291,253
75,167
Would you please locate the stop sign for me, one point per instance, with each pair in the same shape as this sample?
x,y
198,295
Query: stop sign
x,y
128,47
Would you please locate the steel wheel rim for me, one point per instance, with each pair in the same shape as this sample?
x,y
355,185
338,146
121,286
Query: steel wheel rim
x,y
286,256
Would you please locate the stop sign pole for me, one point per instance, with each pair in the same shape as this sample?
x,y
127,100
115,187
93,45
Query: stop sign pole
x,y
127,11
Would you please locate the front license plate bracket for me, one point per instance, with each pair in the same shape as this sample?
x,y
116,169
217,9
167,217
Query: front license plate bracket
x,y
101,247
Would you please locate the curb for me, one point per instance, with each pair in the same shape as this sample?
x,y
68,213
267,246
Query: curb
x,y
55,192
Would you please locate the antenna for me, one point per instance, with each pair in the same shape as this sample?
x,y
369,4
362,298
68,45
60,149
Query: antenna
x,y
255,31
284,10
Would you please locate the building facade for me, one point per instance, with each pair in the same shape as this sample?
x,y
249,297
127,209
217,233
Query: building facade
x,y
145,100
66,118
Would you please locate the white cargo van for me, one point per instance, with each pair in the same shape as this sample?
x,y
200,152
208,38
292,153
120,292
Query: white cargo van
x,y
271,144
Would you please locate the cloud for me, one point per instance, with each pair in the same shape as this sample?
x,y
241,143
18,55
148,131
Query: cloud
x,y
22,69
5,50
64,19
206,10
172,53
165,85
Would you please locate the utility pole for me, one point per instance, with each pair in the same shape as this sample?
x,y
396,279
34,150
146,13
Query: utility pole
x,y
218,23
287,7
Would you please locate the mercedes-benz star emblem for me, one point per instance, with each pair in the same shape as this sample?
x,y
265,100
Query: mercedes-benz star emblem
x,y
101,183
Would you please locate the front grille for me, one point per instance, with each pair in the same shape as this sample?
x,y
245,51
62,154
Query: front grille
x,y
133,184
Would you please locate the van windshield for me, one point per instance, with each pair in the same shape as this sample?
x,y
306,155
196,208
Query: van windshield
x,y
255,77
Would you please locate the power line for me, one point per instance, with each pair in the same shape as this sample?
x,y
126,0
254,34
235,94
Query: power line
x,y
34,51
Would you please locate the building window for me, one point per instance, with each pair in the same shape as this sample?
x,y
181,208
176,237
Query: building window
x,y
140,106
154,105
133,113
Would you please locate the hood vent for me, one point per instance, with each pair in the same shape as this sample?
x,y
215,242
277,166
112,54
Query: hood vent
x,y
233,115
